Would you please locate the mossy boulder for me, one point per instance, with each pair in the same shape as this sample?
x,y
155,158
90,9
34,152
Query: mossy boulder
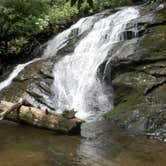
x,y
139,82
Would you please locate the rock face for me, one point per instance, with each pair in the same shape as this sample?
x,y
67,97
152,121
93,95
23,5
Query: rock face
x,y
33,83
138,77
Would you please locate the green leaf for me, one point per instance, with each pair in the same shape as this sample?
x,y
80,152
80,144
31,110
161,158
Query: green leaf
x,y
90,2
79,4
73,2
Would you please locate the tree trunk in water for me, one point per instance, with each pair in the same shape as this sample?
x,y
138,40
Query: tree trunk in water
x,y
43,119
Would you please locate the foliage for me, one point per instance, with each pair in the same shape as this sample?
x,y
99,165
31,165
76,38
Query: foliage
x,y
100,4
59,14
80,2
22,18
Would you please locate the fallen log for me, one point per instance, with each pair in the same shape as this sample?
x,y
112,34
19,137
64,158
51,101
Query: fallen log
x,y
14,107
20,113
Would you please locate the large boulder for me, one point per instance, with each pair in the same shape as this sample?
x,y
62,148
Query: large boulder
x,y
139,78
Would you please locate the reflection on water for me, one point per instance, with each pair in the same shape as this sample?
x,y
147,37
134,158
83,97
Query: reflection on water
x,y
25,146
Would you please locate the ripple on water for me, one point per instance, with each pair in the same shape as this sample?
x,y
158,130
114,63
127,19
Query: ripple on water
x,y
21,145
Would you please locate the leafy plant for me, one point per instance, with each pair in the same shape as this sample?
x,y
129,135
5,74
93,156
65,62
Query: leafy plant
x,y
21,18
80,2
24,18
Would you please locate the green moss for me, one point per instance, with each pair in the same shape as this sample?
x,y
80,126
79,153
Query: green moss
x,y
134,80
153,43
130,101
140,89
161,16
130,95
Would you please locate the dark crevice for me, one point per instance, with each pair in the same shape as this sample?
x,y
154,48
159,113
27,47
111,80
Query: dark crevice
x,y
26,79
45,89
38,98
154,87
156,24
128,66
154,75
46,75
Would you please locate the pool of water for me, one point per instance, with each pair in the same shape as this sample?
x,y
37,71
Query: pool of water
x,y
21,145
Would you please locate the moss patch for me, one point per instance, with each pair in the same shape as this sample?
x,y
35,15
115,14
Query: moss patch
x,y
153,44
140,98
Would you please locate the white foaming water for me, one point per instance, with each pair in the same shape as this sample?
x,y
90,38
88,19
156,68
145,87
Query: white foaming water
x,y
62,39
54,45
76,85
14,74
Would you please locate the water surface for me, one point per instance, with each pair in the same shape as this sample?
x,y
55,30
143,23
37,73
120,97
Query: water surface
x,y
21,145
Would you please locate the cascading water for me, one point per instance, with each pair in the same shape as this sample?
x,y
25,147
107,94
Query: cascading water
x,y
54,45
63,38
76,84
14,74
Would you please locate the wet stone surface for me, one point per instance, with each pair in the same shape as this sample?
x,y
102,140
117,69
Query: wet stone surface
x,y
139,79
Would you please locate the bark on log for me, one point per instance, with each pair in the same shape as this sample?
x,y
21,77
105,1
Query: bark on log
x,y
15,107
39,118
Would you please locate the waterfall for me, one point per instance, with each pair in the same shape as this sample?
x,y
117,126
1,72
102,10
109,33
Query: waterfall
x,y
14,74
58,42
63,38
76,85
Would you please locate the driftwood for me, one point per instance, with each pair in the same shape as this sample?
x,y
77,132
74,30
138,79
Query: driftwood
x,y
19,112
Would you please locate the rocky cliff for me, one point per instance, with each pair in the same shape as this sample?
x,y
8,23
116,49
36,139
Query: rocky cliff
x,y
139,77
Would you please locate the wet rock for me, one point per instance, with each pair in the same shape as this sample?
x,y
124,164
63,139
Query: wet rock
x,y
139,79
33,84
74,33
69,114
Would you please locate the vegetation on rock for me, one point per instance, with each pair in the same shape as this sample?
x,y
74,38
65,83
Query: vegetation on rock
x,y
140,81
21,19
